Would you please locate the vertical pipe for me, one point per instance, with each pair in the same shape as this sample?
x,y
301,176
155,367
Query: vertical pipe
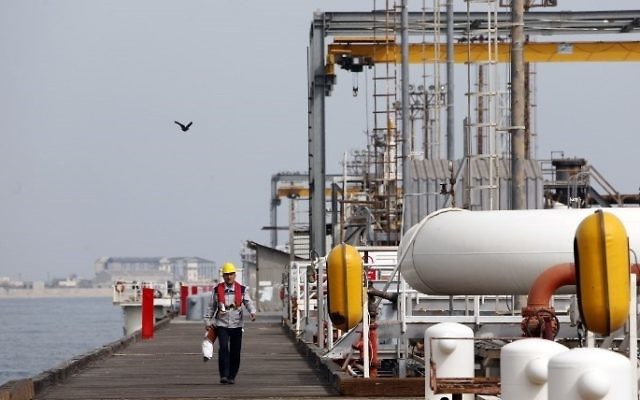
x,y
527,111
406,134
402,341
335,236
343,218
292,217
297,292
147,313
480,100
365,332
306,293
517,106
273,212
320,297
257,285
466,199
450,109
633,333
317,87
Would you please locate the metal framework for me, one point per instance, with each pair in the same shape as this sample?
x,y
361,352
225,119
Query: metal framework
x,y
320,81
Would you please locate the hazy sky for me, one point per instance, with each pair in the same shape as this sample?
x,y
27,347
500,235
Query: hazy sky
x,y
91,163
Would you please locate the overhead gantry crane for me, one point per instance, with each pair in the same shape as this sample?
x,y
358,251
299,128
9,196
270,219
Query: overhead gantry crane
x,y
355,53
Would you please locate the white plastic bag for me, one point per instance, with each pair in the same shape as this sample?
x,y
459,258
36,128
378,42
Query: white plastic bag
x,y
207,350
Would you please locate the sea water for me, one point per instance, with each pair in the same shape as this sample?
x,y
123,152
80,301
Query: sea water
x,y
37,334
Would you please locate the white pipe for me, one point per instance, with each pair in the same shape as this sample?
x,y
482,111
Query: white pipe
x,y
633,335
297,298
461,252
365,333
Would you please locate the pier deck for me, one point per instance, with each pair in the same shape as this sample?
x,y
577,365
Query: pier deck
x,y
170,366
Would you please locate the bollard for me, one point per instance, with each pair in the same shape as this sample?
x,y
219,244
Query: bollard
x,y
590,374
184,292
148,317
449,346
194,308
524,366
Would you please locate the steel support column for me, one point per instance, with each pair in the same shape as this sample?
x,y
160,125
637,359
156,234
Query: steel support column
x,y
406,134
450,86
518,198
317,87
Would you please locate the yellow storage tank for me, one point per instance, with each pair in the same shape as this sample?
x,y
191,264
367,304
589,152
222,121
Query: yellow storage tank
x,y
601,251
345,286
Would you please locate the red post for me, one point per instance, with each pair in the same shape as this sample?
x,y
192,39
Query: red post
x,y
194,290
184,292
147,313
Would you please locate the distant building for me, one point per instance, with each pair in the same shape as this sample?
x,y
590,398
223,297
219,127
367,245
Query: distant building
x,y
155,269
68,283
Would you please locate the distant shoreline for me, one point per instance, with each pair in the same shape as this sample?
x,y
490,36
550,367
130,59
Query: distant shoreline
x,y
14,293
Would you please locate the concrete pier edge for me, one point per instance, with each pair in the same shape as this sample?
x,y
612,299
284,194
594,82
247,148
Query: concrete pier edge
x,y
27,389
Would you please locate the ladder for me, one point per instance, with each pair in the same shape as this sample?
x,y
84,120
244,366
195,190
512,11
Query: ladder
x,y
385,138
482,192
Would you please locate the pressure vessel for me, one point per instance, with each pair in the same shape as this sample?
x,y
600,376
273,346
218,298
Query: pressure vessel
x,y
449,348
524,368
590,374
457,252
602,272
345,283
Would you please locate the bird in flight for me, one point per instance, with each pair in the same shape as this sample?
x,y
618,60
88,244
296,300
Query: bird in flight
x,y
184,127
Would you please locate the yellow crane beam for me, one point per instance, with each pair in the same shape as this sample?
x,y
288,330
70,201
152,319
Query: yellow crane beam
x,y
536,52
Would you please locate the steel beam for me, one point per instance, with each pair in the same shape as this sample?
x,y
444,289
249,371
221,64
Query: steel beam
x,y
536,23
536,52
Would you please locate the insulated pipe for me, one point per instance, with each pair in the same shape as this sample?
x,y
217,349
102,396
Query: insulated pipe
x,y
460,252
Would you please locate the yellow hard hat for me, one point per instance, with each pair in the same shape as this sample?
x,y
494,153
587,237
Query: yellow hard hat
x,y
228,268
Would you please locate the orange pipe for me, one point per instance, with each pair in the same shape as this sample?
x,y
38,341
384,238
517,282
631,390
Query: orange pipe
x,y
554,278
548,282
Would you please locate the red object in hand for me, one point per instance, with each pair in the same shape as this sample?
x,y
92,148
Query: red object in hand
x,y
212,333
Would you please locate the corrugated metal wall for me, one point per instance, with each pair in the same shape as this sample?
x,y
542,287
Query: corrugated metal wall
x,y
427,176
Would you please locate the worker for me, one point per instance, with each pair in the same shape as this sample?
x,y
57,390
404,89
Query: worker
x,y
225,314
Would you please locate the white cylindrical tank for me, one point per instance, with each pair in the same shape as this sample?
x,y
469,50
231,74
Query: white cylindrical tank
x,y
524,368
457,252
590,374
450,346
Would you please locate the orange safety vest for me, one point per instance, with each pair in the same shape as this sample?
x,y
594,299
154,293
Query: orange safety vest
x,y
238,292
